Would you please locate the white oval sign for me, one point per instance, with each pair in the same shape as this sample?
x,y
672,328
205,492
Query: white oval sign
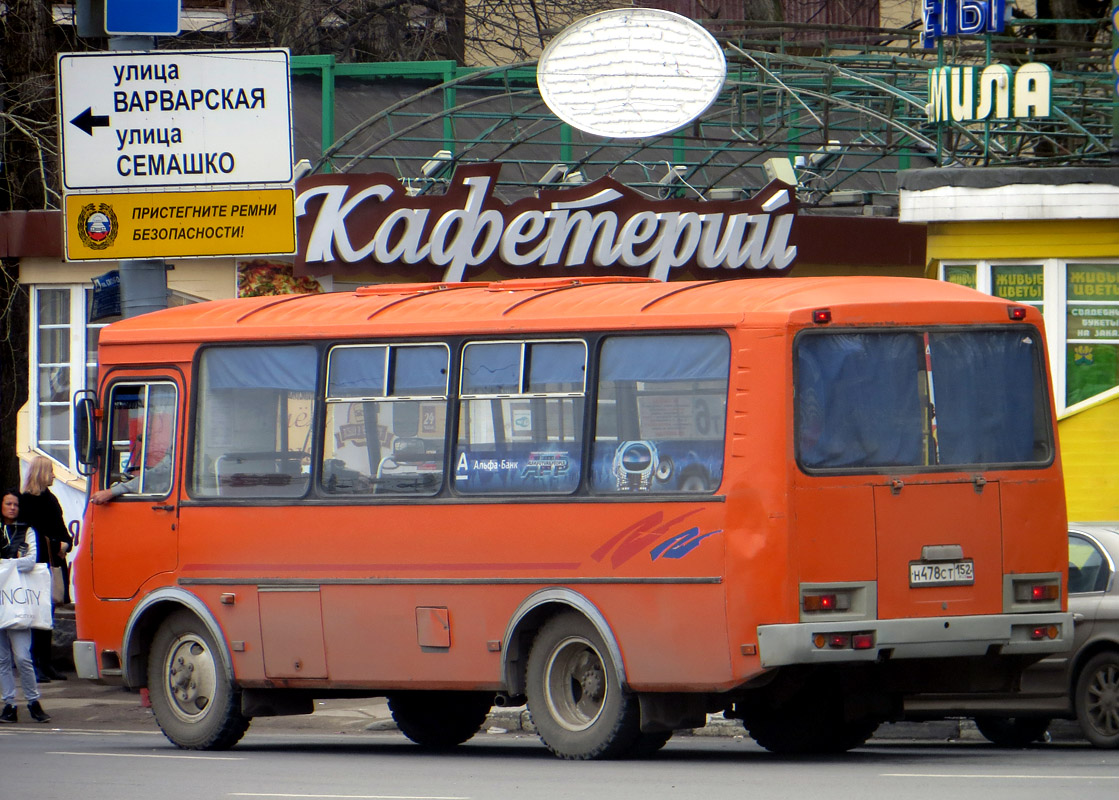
x,y
631,73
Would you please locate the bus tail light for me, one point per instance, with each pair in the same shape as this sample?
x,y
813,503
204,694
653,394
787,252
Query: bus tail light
x,y
818,601
1049,591
821,316
1045,632
821,602
863,640
836,601
1036,591
1016,313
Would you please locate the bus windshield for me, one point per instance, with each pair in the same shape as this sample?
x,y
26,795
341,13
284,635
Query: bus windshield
x,y
939,398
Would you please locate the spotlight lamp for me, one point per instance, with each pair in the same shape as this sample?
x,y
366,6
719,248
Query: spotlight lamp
x,y
557,173
437,163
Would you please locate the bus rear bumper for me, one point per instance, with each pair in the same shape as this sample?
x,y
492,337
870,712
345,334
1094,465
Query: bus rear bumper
x,y
930,637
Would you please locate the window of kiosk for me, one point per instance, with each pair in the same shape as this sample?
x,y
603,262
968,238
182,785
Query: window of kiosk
x,y
1092,331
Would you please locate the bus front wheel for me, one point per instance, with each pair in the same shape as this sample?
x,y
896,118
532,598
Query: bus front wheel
x,y
191,690
574,696
439,719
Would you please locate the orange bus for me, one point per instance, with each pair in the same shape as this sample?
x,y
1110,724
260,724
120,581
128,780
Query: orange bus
x,y
623,502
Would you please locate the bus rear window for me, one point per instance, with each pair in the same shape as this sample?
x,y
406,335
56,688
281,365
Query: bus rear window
x,y
943,398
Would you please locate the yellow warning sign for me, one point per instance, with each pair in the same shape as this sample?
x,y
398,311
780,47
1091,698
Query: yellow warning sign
x,y
232,222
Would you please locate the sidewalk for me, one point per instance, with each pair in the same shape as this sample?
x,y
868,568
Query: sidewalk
x,y
78,704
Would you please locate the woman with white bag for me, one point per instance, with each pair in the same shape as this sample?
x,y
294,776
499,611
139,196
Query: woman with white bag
x,y
39,508
17,542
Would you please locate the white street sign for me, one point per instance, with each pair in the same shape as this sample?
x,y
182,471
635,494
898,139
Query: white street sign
x,y
174,118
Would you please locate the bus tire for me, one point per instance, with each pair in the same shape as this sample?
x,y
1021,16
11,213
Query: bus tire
x,y
576,701
191,691
439,720
1012,732
648,744
808,725
1097,700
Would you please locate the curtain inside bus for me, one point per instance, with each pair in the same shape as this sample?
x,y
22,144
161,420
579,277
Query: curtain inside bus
x,y
360,371
986,397
858,400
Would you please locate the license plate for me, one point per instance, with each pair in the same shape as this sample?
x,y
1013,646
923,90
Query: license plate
x,y
941,573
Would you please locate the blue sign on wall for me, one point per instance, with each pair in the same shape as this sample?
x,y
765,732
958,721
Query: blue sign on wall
x,y
960,17
106,296
142,17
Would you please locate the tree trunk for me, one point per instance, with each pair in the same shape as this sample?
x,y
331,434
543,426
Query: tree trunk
x,y
29,166
28,49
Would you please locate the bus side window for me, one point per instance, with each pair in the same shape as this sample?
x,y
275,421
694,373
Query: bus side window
x,y
660,424
386,419
521,417
253,431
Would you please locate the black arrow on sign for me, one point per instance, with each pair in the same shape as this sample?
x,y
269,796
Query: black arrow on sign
x,y
87,121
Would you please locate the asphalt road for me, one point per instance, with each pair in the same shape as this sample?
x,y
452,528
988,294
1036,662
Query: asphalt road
x,y
102,744
44,763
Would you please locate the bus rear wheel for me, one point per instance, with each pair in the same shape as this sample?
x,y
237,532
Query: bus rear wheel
x,y
812,722
191,690
577,703
439,720
816,737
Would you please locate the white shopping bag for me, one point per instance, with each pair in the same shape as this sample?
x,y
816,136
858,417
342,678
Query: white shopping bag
x,y
25,597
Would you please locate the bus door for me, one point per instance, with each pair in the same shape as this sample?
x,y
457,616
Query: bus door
x,y
135,535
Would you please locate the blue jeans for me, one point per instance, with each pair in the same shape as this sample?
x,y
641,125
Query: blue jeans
x,y
16,646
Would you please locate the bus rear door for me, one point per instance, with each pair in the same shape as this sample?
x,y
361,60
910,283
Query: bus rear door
x,y
939,549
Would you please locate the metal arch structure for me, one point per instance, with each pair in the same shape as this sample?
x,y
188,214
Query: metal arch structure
x,y
849,118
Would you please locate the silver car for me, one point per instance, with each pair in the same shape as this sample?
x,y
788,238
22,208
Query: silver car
x,y
1081,684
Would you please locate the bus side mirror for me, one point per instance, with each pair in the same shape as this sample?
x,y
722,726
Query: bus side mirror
x,y
85,440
